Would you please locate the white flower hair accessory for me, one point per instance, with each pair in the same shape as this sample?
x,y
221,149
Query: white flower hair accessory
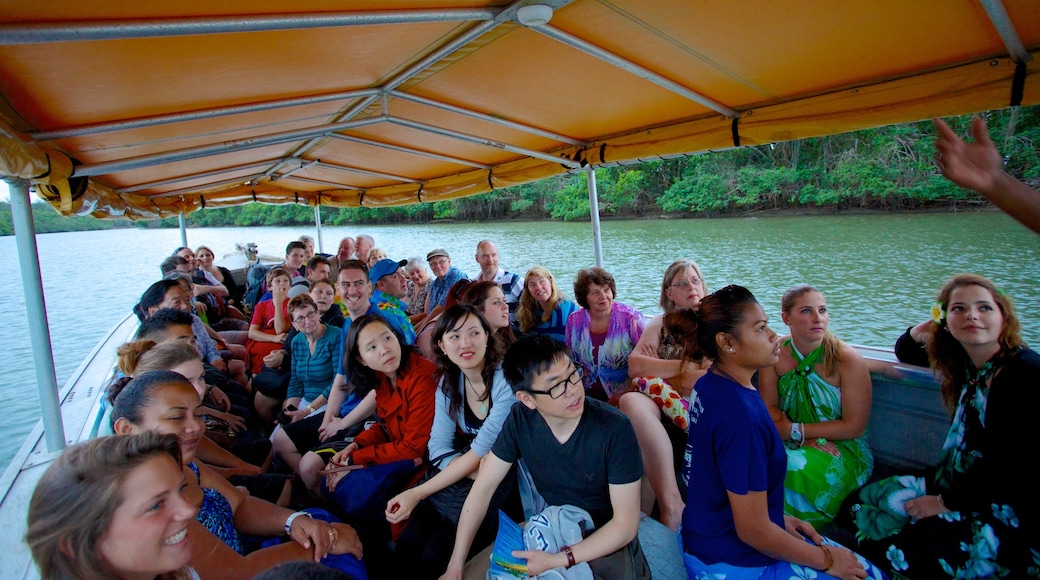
x,y
938,313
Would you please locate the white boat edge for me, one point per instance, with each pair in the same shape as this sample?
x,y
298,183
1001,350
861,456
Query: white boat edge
x,y
80,398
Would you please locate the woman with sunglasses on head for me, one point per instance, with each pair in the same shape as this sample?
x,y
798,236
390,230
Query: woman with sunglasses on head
x,y
472,403
734,523
978,516
820,402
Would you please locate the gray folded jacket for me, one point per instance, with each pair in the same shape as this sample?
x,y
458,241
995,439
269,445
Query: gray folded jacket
x,y
554,528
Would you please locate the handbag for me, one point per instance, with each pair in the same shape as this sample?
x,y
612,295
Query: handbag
x,y
219,431
364,491
448,502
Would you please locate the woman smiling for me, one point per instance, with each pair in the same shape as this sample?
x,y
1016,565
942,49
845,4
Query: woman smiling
x,y
113,508
472,403
165,402
602,334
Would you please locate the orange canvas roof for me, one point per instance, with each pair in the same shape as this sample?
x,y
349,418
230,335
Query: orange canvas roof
x,y
145,110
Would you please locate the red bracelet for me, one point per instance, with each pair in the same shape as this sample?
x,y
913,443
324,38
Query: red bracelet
x,y
570,556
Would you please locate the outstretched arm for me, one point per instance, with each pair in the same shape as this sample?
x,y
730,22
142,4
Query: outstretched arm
x,y
978,166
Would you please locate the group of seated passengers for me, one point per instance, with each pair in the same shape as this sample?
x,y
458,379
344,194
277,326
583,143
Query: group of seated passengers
x,y
692,372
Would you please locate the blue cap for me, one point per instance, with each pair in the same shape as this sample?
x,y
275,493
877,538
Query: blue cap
x,y
384,267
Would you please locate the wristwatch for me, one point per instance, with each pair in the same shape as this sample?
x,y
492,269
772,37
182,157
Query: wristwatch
x,y
797,436
289,520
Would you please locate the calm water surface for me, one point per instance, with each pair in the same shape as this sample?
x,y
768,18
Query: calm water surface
x,y
880,272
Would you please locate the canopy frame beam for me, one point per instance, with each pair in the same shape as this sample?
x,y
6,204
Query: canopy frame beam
x,y
73,31
203,175
410,150
1006,29
482,141
189,153
367,172
36,313
326,183
197,115
195,190
303,165
501,121
633,68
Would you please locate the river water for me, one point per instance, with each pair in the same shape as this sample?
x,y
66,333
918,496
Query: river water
x,y
880,272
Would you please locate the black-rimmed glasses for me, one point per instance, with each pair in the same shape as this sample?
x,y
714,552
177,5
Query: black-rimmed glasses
x,y
556,391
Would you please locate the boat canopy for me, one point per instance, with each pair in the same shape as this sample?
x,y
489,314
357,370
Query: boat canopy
x,y
142,110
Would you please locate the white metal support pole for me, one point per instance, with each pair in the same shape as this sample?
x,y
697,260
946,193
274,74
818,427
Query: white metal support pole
x,y
597,242
317,228
184,230
36,310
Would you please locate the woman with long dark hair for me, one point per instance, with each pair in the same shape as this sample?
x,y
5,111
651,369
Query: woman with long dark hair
x,y
734,523
472,403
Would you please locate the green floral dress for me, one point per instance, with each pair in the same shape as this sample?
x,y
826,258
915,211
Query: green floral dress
x,y
817,482
986,475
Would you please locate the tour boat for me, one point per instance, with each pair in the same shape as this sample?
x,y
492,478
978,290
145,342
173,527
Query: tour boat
x,y
156,109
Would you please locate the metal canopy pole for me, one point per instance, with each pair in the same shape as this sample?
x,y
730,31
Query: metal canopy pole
x,y
197,115
159,27
196,152
36,311
633,68
482,141
317,227
184,230
597,241
1006,29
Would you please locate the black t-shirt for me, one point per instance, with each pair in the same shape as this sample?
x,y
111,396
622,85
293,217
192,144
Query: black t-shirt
x,y
601,451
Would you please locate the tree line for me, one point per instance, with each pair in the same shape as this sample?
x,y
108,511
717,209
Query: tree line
x,y
886,168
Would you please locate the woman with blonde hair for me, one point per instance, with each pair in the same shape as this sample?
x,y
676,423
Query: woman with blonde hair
x,y
819,396
978,516
113,508
543,308
662,380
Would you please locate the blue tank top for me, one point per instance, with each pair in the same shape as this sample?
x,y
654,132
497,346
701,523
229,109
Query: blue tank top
x,y
216,515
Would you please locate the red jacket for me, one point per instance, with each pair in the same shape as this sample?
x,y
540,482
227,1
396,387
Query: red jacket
x,y
405,413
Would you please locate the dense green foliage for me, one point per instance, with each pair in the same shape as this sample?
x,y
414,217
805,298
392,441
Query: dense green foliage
x,y
887,168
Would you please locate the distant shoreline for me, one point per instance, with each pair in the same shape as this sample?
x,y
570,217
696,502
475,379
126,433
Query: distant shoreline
x,y
952,207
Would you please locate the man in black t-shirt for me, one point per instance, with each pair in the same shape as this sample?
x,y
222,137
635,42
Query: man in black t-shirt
x,y
578,451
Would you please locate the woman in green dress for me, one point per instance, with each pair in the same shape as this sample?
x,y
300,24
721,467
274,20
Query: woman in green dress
x,y
819,397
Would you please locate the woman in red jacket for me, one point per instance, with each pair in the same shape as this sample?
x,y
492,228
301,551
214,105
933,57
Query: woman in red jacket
x,y
378,359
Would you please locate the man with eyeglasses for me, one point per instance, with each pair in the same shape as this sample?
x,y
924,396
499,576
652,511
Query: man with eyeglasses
x,y
446,277
578,452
